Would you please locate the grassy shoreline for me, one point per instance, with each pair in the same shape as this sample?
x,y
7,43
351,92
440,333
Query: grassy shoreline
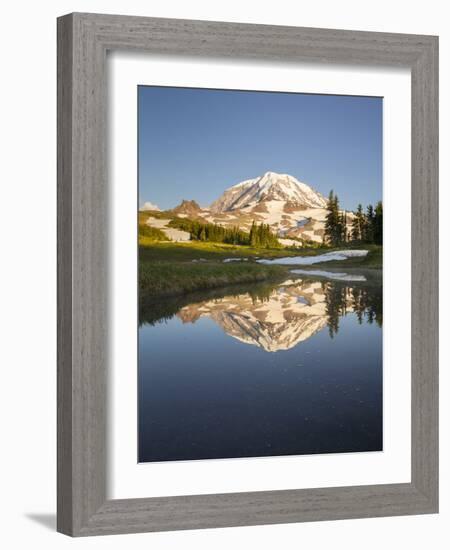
x,y
170,269
165,278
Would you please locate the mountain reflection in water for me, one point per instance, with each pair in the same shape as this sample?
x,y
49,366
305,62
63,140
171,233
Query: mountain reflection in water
x,y
266,369
276,317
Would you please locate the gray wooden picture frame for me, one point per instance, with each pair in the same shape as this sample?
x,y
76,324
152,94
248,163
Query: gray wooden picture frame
x,y
83,41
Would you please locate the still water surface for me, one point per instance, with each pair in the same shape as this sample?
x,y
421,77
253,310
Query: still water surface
x,y
262,370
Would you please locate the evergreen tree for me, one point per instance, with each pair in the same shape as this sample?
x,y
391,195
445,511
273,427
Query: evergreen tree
x,y
330,219
369,225
253,235
378,224
343,228
358,224
211,232
334,222
262,236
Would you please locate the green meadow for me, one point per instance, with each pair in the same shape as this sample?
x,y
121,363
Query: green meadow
x,y
173,268
168,268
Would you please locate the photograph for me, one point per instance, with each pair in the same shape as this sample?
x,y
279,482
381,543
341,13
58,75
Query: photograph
x,y
260,276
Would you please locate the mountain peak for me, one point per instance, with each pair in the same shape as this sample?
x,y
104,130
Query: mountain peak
x,y
187,207
270,174
271,186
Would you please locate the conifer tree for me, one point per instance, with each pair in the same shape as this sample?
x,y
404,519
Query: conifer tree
x,y
343,228
369,225
329,220
334,222
378,223
358,224
253,235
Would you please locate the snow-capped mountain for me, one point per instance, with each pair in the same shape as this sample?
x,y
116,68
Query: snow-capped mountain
x,y
293,209
268,187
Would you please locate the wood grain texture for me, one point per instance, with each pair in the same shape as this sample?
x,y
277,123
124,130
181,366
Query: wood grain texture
x,y
425,272
64,251
83,40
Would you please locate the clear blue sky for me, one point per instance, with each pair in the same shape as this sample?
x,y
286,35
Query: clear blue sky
x,y
194,143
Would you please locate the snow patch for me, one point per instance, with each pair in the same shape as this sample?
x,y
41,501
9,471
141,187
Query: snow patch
x,y
290,242
310,260
329,275
159,223
275,212
319,214
177,235
173,234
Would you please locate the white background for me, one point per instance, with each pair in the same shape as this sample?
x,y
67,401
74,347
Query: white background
x,y
28,231
131,480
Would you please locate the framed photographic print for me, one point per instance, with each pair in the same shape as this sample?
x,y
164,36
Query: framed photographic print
x,y
247,268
